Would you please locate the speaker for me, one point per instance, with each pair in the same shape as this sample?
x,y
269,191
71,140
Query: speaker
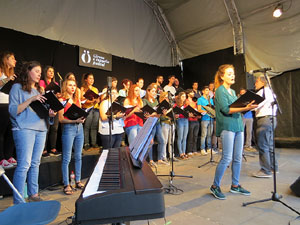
x,y
295,187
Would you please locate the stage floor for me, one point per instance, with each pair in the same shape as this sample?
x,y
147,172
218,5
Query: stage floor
x,y
197,206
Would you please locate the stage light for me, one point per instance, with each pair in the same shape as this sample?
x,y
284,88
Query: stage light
x,y
277,11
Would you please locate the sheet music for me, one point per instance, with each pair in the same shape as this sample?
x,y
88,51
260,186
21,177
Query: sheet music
x,y
142,138
92,186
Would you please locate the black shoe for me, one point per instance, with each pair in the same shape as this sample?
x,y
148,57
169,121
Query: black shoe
x,y
86,147
95,146
45,155
54,153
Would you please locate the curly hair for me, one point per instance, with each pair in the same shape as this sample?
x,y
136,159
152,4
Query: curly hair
x,y
24,79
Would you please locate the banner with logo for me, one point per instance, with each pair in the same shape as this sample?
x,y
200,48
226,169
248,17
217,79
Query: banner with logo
x,y
95,59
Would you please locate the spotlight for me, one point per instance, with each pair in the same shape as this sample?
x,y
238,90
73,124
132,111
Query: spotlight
x,y
277,11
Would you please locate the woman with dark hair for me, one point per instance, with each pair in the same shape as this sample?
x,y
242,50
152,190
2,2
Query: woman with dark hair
x,y
118,123
29,130
7,65
133,123
126,83
48,77
92,120
72,136
182,125
230,128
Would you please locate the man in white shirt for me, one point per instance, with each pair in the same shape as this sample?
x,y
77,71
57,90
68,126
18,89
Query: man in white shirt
x,y
169,87
264,130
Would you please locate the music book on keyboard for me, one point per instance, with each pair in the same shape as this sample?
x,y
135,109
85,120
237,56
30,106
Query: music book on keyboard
x,y
139,148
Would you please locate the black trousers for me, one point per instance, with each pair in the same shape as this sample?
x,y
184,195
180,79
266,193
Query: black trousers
x,y
6,139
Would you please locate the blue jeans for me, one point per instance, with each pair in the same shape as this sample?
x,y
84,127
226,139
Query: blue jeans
x,y
157,132
132,132
116,140
232,143
264,135
91,127
29,148
182,132
72,135
206,133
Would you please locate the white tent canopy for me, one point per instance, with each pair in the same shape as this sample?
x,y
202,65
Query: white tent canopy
x,y
137,30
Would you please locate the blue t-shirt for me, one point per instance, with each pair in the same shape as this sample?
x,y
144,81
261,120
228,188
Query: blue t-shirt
x,y
27,119
204,101
248,115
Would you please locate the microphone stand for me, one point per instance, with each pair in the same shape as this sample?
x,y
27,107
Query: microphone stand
x,y
172,189
275,196
211,160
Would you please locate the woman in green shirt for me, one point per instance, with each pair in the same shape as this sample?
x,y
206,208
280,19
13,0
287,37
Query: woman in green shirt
x,y
230,128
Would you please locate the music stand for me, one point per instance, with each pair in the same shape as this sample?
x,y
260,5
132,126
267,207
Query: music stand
x,y
275,196
172,189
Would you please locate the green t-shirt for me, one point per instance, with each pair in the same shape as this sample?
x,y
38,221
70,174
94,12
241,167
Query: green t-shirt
x,y
225,121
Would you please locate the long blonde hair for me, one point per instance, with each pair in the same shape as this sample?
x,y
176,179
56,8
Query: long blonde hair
x,y
220,73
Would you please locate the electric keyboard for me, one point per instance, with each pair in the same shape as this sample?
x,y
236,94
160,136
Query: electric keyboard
x,y
118,192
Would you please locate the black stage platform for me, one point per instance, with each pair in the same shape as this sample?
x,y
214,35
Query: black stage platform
x,y
50,171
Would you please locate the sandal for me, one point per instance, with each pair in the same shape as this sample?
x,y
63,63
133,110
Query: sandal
x,y
79,185
68,190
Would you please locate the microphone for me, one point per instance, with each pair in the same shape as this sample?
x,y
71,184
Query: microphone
x,y
109,81
262,70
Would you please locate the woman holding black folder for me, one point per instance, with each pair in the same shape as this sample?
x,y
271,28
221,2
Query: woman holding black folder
x,y
72,136
92,121
230,128
118,123
29,130
7,74
48,77
150,100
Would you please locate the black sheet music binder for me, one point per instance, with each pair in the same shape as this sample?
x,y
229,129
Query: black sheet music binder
x,y
246,98
6,88
89,94
178,110
164,105
51,102
139,148
119,108
52,87
75,112
190,109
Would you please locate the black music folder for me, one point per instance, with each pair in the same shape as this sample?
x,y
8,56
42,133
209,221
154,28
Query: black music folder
x,y
164,105
178,110
75,112
6,87
145,109
190,109
246,98
51,102
139,148
89,94
119,108
52,87
120,99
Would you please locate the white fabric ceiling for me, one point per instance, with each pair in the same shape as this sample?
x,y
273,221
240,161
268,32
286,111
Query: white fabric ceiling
x,y
129,28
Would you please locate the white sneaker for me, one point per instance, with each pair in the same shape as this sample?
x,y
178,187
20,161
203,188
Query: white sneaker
x,y
203,152
209,150
5,164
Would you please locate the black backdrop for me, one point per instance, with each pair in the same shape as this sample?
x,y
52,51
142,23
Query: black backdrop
x,y
203,68
64,58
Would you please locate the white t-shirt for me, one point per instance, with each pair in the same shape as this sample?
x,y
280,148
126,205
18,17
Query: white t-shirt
x,y
170,89
104,125
265,107
4,98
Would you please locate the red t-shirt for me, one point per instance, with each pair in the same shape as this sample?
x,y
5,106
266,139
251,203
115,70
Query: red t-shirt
x,y
194,105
